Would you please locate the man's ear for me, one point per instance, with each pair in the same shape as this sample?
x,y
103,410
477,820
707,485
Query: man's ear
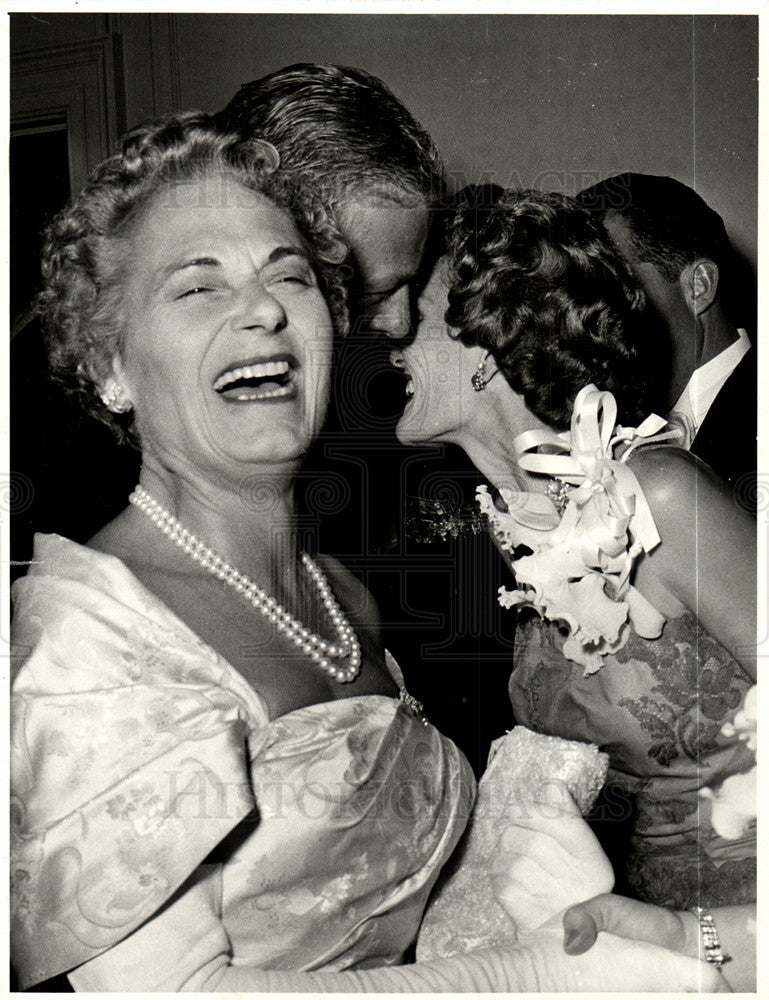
x,y
699,284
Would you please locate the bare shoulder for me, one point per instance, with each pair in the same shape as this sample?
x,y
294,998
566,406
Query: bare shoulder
x,y
676,483
662,472
695,511
707,560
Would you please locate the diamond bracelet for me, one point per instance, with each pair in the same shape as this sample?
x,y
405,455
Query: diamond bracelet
x,y
710,939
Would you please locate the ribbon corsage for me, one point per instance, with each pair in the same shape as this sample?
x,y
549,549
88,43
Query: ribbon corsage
x,y
579,568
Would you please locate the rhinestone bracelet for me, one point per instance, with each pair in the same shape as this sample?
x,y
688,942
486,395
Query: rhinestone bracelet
x,y
710,939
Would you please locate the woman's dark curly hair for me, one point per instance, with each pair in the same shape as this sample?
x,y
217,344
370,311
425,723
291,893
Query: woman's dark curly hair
x,y
535,280
87,247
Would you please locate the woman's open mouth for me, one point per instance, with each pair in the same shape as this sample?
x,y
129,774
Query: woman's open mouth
x,y
258,380
396,360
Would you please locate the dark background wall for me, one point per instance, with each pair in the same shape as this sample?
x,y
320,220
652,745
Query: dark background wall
x,y
548,102
545,101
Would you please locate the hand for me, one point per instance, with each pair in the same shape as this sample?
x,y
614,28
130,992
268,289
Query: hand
x,y
614,965
548,859
627,918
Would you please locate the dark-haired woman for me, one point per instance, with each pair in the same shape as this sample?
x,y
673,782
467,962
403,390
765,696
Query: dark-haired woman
x,y
530,356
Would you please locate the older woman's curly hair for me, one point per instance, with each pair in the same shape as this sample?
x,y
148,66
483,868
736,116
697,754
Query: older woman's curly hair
x,y
87,253
535,280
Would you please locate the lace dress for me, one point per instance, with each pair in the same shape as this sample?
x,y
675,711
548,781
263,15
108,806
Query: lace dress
x,y
656,707
144,765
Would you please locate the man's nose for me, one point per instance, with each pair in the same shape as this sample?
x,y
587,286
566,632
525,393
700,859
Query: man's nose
x,y
392,316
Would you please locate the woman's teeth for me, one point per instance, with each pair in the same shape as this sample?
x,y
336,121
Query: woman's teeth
x,y
266,380
263,393
409,388
262,370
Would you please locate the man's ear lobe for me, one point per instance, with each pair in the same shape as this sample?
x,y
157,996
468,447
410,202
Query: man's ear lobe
x,y
699,284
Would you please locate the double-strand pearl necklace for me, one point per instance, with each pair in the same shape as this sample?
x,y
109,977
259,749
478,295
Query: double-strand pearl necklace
x,y
319,651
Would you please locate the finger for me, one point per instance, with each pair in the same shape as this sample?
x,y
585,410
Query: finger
x,y
549,801
548,853
525,875
543,868
538,869
554,793
580,931
574,854
583,922
570,835
627,918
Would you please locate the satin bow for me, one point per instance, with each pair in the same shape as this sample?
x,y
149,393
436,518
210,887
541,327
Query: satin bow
x,y
608,495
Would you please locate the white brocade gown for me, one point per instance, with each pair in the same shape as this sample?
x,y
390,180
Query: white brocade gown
x,y
142,762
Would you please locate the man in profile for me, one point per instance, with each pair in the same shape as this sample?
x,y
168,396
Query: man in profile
x,y
680,252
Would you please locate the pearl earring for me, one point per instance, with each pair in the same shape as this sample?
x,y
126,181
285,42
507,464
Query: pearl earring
x,y
113,398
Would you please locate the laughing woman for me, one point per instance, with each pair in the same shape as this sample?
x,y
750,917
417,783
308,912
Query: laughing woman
x,y
219,783
640,564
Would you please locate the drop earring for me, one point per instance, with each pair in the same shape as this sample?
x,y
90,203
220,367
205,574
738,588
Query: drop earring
x,y
478,378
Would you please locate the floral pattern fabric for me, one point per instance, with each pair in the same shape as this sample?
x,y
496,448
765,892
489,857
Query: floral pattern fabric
x,y
138,755
657,708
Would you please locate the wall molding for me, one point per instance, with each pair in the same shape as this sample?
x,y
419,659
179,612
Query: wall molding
x,y
166,63
76,80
